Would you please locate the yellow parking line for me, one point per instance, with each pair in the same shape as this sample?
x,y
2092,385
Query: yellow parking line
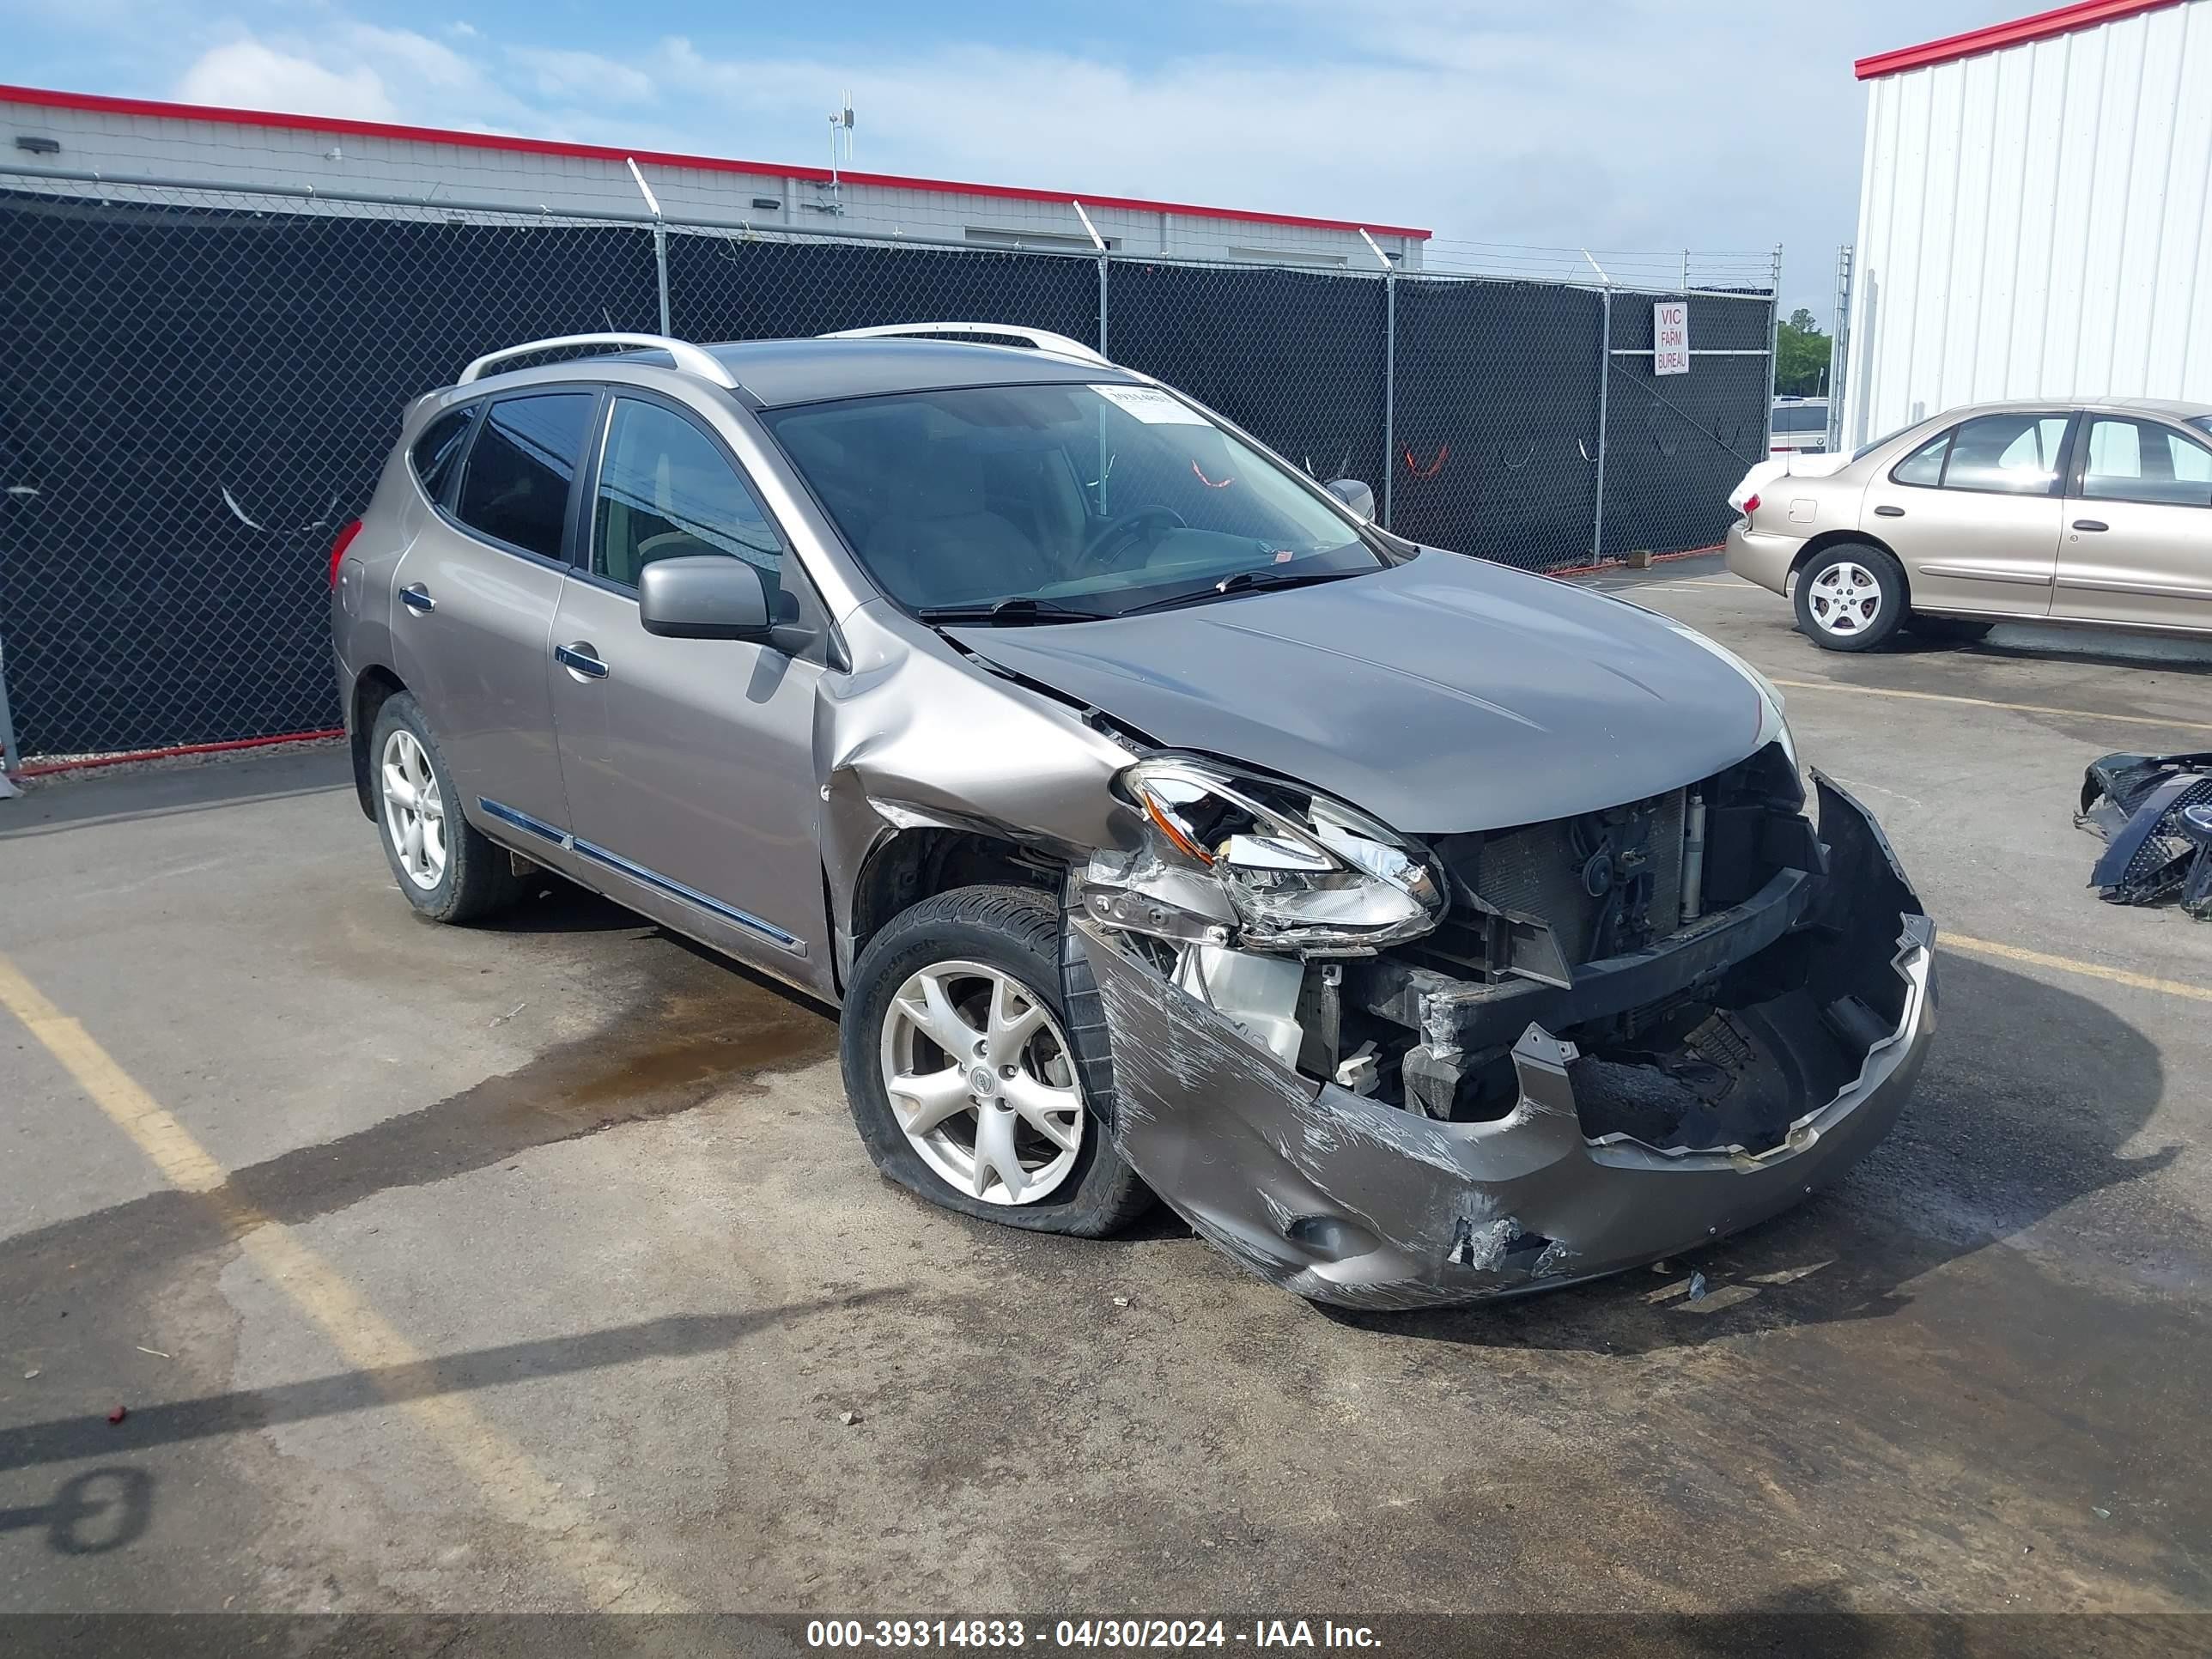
x,y
1991,702
1983,947
512,1484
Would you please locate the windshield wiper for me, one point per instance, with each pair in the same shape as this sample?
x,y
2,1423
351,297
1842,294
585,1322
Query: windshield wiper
x,y
1242,581
1004,613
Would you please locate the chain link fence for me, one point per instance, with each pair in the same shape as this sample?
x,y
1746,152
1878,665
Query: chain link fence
x,y
198,387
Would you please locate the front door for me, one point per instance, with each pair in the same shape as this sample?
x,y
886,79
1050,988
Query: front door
x,y
689,764
1973,513
2138,537
473,605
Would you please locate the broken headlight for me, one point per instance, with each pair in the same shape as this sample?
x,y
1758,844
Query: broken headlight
x,y
1302,871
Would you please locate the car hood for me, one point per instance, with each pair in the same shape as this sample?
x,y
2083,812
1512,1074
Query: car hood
x,y
1445,694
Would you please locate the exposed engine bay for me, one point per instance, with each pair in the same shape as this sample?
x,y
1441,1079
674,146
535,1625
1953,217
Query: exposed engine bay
x,y
1702,981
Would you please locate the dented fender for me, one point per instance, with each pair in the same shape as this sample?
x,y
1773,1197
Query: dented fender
x,y
914,735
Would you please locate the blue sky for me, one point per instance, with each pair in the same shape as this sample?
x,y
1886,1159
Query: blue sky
x,y
1614,124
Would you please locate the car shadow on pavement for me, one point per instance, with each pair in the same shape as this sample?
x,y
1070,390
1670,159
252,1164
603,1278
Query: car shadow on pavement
x,y
2029,1094
126,794
2053,642
63,1439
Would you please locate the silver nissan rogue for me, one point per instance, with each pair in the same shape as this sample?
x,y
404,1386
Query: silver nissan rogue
x,y
1418,929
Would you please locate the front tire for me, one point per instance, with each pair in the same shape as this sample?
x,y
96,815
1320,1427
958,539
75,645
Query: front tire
x,y
1851,597
963,1082
444,866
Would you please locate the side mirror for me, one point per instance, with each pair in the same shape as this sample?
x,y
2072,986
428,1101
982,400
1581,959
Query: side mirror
x,y
703,595
1354,495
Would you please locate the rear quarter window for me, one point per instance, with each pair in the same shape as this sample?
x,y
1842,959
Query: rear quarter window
x,y
515,486
438,451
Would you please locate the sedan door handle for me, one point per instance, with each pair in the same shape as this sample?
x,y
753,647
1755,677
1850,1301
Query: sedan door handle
x,y
1889,513
580,658
416,598
2091,524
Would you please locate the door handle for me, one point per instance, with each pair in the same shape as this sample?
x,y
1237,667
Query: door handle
x,y
580,658
1889,513
416,598
2091,524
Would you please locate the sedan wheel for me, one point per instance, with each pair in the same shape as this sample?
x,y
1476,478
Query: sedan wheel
x,y
1851,597
414,809
1845,599
982,1082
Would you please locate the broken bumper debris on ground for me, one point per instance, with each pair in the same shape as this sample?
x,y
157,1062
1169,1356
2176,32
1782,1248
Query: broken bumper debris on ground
x,y
2154,812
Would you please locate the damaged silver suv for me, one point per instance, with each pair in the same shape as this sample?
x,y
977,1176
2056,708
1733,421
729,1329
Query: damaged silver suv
x,y
1418,929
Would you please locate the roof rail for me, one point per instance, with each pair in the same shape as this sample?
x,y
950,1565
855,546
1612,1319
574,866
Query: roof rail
x,y
1040,339
691,359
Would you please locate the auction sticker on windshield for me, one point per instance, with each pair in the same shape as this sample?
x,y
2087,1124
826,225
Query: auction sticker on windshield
x,y
1152,405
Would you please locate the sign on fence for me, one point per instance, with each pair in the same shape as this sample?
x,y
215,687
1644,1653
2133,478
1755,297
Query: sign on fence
x,y
1670,337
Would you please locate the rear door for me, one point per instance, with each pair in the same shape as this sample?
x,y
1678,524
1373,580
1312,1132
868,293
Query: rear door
x,y
690,763
1974,512
473,604
2138,538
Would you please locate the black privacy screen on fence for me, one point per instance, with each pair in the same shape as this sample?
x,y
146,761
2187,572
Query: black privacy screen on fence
x,y
1497,426
200,397
1676,444
197,390
1297,358
734,287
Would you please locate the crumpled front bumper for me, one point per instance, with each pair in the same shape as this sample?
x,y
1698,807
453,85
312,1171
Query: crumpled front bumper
x,y
1349,1200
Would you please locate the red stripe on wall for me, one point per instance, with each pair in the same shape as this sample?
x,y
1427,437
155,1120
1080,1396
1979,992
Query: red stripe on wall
x,y
2063,19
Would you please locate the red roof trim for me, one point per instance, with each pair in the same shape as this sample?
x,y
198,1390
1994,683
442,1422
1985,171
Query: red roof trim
x,y
47,99
2064,19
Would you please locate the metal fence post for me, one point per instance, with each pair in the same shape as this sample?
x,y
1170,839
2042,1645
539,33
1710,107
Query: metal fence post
x,y
1103,263
1604,394
1773,346
9,760
659,237
1839,348
1389,390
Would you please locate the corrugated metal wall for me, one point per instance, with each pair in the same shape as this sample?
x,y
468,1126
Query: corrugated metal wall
x,y
2034,223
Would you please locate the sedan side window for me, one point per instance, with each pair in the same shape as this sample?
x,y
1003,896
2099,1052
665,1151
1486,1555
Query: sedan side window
x,y
2012,454
2142,461
666,491
514,486
1924,466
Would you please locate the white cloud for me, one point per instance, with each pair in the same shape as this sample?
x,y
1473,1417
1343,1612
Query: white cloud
x,y
249,75
561,75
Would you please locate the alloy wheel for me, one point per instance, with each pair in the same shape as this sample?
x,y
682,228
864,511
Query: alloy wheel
x,y
414,809
1844,599
981,1081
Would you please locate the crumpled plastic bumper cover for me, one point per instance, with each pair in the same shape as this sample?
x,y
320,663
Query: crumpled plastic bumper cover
x,y
1349,1200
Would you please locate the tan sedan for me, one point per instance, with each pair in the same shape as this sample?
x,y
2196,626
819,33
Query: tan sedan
x,y
2056,511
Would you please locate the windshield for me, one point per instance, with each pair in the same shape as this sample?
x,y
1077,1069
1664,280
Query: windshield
x,y
1070,501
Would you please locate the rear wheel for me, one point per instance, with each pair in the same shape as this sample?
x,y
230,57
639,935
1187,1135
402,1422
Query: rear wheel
x,y
1851,597
446,869
963,1081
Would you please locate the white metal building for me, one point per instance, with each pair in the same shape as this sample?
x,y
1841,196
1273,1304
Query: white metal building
x,y
127,139
2034,215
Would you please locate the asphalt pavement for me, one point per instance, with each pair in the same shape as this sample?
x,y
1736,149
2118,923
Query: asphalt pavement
x,y
538,1266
